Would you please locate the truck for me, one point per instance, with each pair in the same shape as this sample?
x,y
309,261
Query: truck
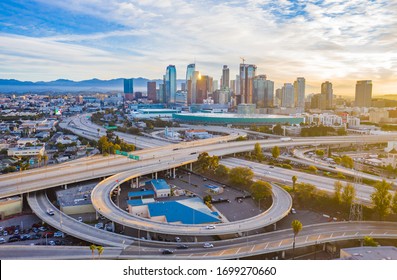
x,y
285,139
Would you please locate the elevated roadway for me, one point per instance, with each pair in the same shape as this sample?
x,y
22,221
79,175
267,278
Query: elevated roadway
x,y
228,249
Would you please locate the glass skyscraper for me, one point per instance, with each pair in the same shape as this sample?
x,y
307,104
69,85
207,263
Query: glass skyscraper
x,y
170,84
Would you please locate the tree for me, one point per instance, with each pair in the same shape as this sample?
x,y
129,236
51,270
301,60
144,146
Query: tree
x,y
241,176
222,171
296,228
394,203
258,152
348,194
260,190
92,248
347,161
294,179
312,168
382,198
213,163
338,186
329,152
320,153
203,161
305,191
103,144
276,152
100,251
45,158
277,129
369,241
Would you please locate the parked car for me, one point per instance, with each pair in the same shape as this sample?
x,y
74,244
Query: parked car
x,y
210,227
208,245
25,237
293,211
2,240
58,234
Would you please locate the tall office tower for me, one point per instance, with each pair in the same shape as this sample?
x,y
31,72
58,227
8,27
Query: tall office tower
x,y
299,92
233,85
151,91
214,85
326,89
287,99
192,85
247,74
363,93
129,89
203,88
189,82
263,92
318,101
279,97
225,77
161,93
170,84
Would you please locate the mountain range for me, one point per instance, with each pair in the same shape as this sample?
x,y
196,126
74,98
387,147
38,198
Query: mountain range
x,y
63,85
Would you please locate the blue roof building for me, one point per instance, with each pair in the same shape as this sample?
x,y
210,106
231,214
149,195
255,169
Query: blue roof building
x,y
141,194
160,187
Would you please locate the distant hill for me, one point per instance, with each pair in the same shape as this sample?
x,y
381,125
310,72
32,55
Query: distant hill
x,y
63,85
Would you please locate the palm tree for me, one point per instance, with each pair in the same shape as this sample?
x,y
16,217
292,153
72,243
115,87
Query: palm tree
x,y
296,227
92,248
294,179
100,251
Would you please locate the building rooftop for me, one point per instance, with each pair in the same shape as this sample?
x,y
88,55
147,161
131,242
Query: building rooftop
x,y
187,211
75,196
141,193
159,184
369,253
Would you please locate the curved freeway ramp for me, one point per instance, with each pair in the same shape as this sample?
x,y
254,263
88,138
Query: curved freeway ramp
x,y
100,197
39,203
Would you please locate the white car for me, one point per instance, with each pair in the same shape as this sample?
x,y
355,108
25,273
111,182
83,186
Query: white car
x,y
210,227
50,212
293,211
2,240
208,245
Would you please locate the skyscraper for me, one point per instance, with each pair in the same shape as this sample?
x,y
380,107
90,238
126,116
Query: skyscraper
x,y
129,89
326,89
225,77
299,93
170,84
247,74
151,91
363,96
287,99
189,82
263,92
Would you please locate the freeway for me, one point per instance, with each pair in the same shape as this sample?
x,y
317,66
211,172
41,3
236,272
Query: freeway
x,y
363,192
227,249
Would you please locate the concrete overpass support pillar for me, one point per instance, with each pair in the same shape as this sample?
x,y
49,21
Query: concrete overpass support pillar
x,y
283,254
361,243
137,182
132,183
112,226
191,167
195,239
274,226
155,175
174,175
66,187
324,246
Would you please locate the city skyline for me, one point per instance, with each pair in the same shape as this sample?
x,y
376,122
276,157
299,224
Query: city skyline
x,y
338,41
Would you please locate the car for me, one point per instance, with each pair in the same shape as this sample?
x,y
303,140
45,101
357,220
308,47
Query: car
x,y
293,211
2,240
208,245
25,237
99,225
80,219
42,228
35,236
177,239
14,239
271,166
204,179
16,231
210,227
47,234
5,233
51,242
182,246
50,212
58,234
167,252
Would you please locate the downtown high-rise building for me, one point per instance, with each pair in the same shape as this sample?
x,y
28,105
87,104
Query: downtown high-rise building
x,y
299,92
287,98
151,91
263,92
129,89
225,77
247,74
363,96
191,68
170,84
327,91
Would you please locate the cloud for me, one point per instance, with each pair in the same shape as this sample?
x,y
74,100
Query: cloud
x,y
321,40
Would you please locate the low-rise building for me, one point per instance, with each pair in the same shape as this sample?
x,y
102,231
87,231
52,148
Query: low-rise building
x,y
26,151
10,206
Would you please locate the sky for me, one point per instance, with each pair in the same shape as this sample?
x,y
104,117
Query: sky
x,y
340,41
